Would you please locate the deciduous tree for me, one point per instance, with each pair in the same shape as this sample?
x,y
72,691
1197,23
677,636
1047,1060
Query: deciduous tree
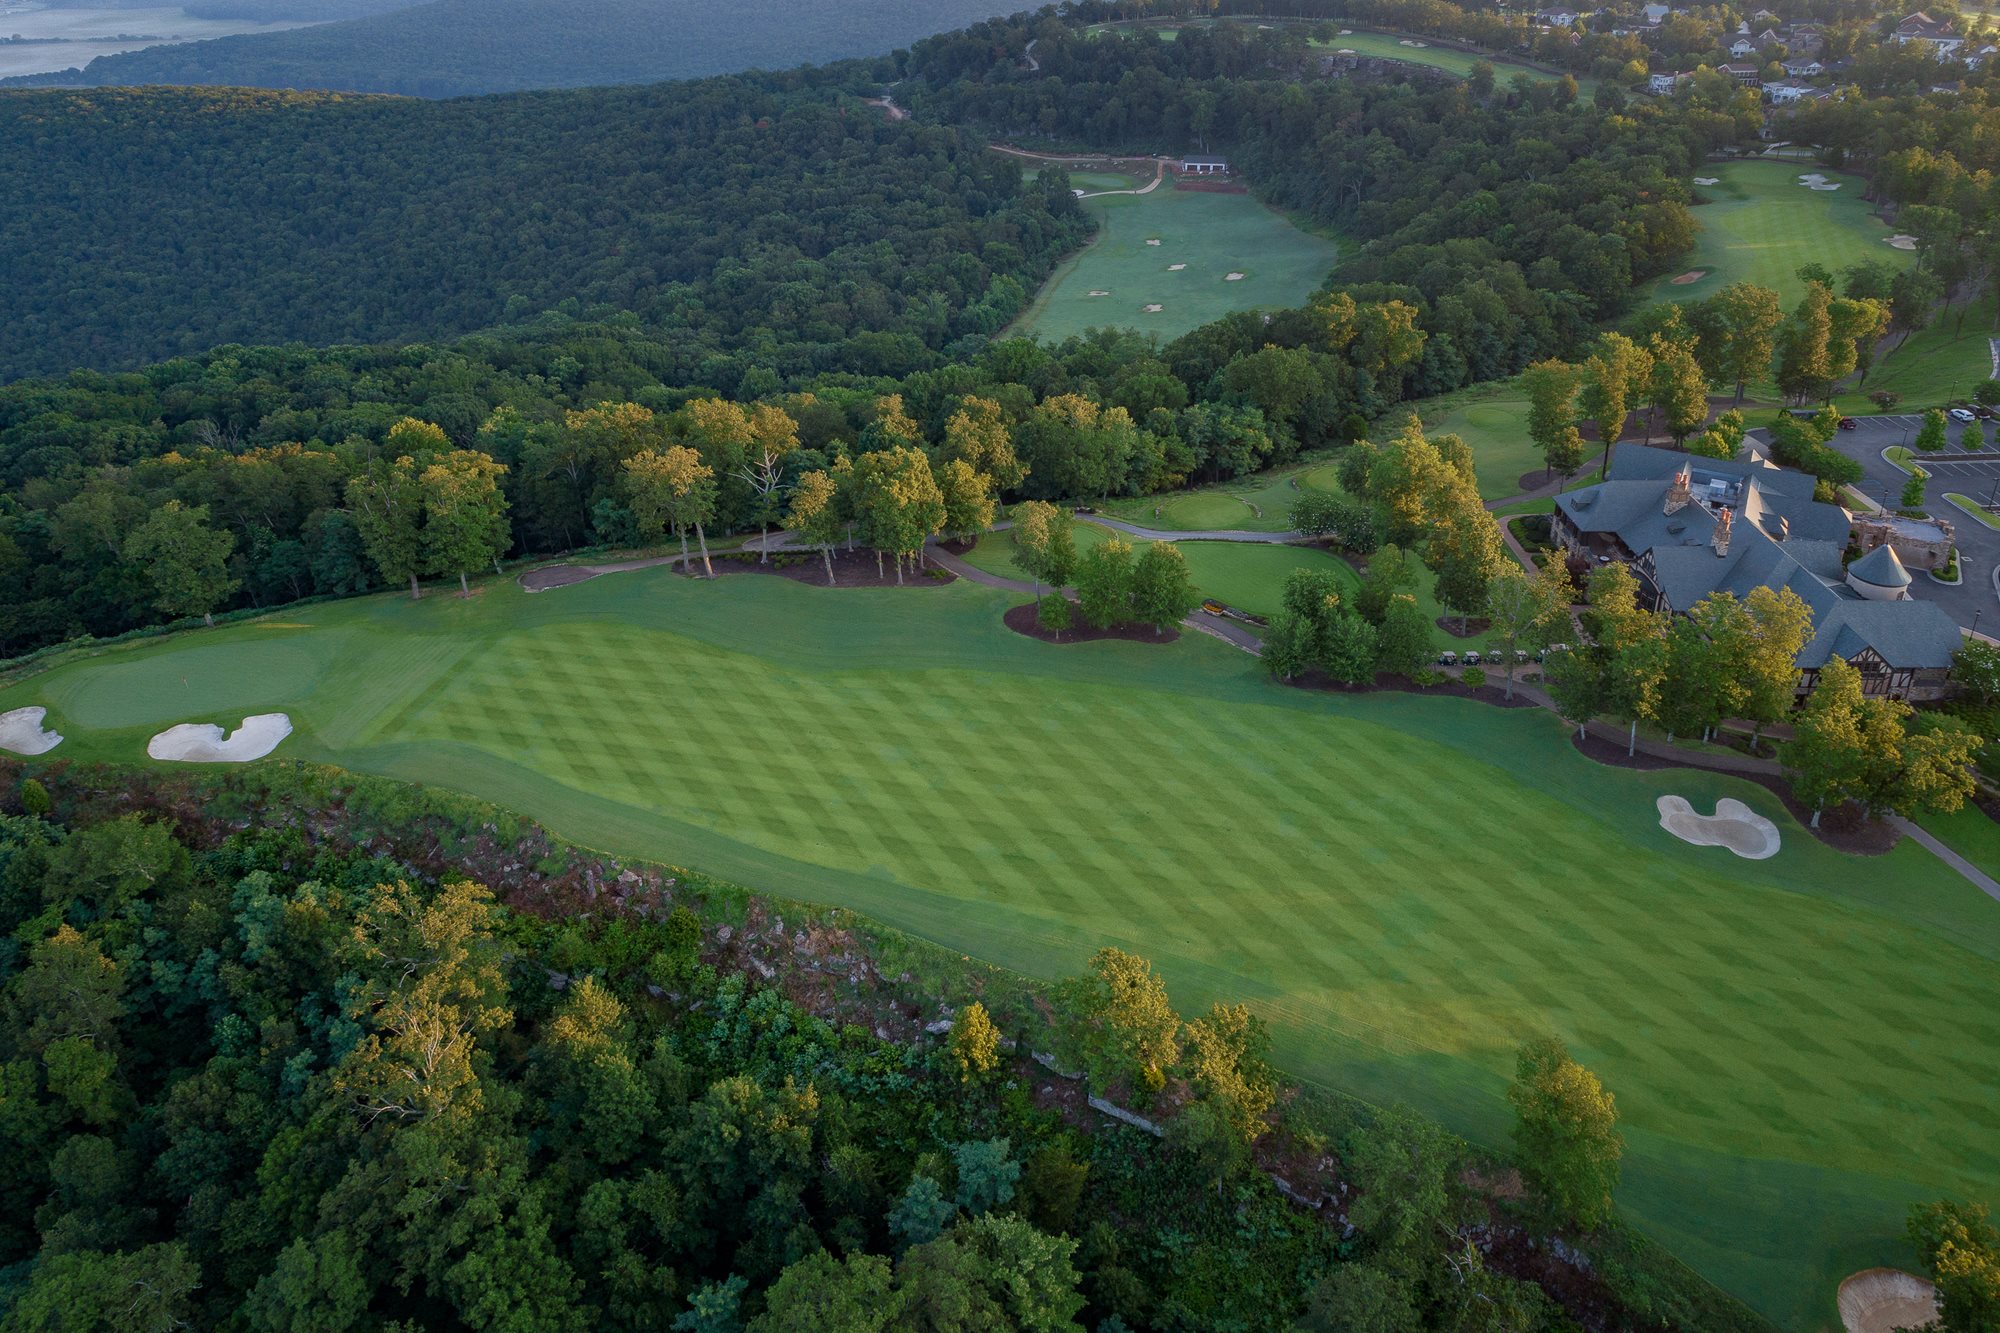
x,y
1163,591
465,515
387,502
672,489
1104,583
186,561
815,515
1565,1134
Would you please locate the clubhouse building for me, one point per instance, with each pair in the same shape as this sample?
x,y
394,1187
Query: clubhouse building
x,y
1691,526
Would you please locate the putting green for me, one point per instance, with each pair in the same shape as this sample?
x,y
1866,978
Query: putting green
x,y
1211,235
1762,226
1405,887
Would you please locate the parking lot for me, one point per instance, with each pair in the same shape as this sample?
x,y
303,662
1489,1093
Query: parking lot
x,y
1973,475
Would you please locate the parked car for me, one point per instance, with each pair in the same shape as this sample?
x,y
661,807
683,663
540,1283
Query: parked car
x,y
1447,659
1848,423
1962,414
1983,412
1472,659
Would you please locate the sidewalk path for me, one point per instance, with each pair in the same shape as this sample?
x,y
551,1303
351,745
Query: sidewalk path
x,y
1196,535
1980,880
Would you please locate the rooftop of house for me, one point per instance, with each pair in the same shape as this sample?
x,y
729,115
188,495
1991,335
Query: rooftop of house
x,y
1780,537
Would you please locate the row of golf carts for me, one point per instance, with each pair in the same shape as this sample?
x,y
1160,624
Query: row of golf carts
x,y
1498,656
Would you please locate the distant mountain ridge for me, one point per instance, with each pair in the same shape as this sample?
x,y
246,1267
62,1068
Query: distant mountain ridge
x,y
450,48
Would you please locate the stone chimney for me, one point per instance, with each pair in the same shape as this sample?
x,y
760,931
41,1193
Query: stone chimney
x,y
1679,494
1720,541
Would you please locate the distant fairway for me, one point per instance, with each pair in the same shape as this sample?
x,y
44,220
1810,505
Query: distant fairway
x,y
1214,235
1379,44
1405,887
1762,226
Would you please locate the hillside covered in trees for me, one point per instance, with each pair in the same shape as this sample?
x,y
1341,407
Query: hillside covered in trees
x,y
273,1060
451,48
768,211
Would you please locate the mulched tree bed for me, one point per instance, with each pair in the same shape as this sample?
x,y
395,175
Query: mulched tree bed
x,y
851,569
1315,679
1842,828
1022,619
1469,627
1534,481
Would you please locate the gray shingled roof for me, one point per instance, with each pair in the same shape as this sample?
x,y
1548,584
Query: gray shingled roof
x,y
1881,568
1802,552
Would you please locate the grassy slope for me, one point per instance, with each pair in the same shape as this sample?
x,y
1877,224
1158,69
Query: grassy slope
x,y
1492,418
1937,364
1405,887
1761,226
1213,234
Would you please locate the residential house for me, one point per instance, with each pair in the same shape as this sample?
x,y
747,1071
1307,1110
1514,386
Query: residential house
x,y
1688,527
1786,91
1655,15
1940,35
1747,75
1556,18
1742,47
1663,85
1804,67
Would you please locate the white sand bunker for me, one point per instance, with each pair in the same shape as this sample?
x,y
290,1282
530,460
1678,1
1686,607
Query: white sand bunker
x,y
1175,268
1234,277
21,731
1708,180
1150,309
1099,291
204,742
1152,240
1901,242
1880,1300
1733,825
1347,32
1408,42
1812,178
1835,185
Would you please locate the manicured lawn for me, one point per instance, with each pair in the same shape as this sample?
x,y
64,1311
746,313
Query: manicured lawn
x,y
1762,226
1492,418
1379,44
1404,887
1972,508
1213,235
1258,503
1252,577
1247,575
1388,46
1937,364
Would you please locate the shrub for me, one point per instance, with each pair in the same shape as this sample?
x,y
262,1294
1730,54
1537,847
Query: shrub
x,y
1053,613
1473,677
35,797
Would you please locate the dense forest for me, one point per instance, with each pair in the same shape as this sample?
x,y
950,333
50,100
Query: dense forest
x,y
771,212
1519,216
451,48
274,1060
